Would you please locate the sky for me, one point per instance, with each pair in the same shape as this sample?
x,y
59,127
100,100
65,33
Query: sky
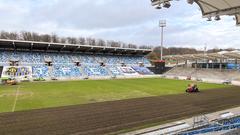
x,y
130,21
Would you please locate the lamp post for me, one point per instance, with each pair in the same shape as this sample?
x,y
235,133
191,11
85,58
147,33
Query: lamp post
x,y
162,24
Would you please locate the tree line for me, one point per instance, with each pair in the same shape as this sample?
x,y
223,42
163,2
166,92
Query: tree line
x,y
155,55
53,38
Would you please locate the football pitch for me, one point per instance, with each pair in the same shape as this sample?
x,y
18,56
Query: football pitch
x,y
27,96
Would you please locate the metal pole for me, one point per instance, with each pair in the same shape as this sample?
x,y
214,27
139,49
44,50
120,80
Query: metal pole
x,y
162,44
162,24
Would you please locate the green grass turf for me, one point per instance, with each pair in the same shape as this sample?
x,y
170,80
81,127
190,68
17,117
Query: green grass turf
x,y
53,94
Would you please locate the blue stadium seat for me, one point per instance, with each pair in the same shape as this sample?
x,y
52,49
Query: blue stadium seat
x,y
225,125
64,64
142,70
95,70
40,71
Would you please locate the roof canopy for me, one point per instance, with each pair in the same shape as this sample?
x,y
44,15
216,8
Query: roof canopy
x,y
73,48
209,56
219,7
211,8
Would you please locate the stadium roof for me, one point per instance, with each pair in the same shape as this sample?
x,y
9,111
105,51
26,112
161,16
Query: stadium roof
x,y
209,56
73,48
238,19
218,6
210,8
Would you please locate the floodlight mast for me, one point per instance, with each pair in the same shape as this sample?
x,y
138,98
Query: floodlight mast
x,y
162,24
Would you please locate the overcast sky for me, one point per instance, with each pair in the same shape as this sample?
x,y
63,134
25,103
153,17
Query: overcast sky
x,y
131,21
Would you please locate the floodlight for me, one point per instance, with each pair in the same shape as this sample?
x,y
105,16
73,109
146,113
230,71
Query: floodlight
x,y
158,7
190,1
162,23
217,18
167,4
209,19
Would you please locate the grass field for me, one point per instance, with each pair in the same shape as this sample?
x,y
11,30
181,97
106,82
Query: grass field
x,y
53,94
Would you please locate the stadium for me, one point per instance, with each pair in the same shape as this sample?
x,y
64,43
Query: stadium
x,y
91,87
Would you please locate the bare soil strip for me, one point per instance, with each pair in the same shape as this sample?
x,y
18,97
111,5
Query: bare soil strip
x,y
111,117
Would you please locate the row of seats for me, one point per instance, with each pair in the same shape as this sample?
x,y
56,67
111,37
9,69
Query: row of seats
x,y
22,57
65,71
58,71
115,71
142,70
94,70
63,58
222,126
40,71
64,64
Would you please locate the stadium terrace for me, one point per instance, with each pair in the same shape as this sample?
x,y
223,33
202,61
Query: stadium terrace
x,y
29,60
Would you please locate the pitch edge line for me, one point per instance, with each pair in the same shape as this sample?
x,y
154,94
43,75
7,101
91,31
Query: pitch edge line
x,y
16,98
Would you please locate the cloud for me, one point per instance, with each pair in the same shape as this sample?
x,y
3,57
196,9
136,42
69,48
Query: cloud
x,y
125,20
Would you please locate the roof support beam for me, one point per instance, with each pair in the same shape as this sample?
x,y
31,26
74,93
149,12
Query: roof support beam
x,y
200,1
91,48
230,11
238,19
232,55
14,46
31,46
55,47
48,47
62,48
76,49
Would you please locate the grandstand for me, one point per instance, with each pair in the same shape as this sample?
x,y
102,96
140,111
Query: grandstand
x,y
218,127
214,67
28,59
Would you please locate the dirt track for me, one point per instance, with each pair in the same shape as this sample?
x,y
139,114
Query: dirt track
x,y
109,117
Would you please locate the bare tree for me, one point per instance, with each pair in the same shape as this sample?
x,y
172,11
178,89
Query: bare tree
x,y
101,42
63,40
72,40
13,36
46,38
143,47
91,41
55,38
4,35
81,41
33,36
132,46
26,36
114,44
36,37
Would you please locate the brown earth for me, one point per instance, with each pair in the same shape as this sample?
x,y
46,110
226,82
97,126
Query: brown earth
x,y
111,117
